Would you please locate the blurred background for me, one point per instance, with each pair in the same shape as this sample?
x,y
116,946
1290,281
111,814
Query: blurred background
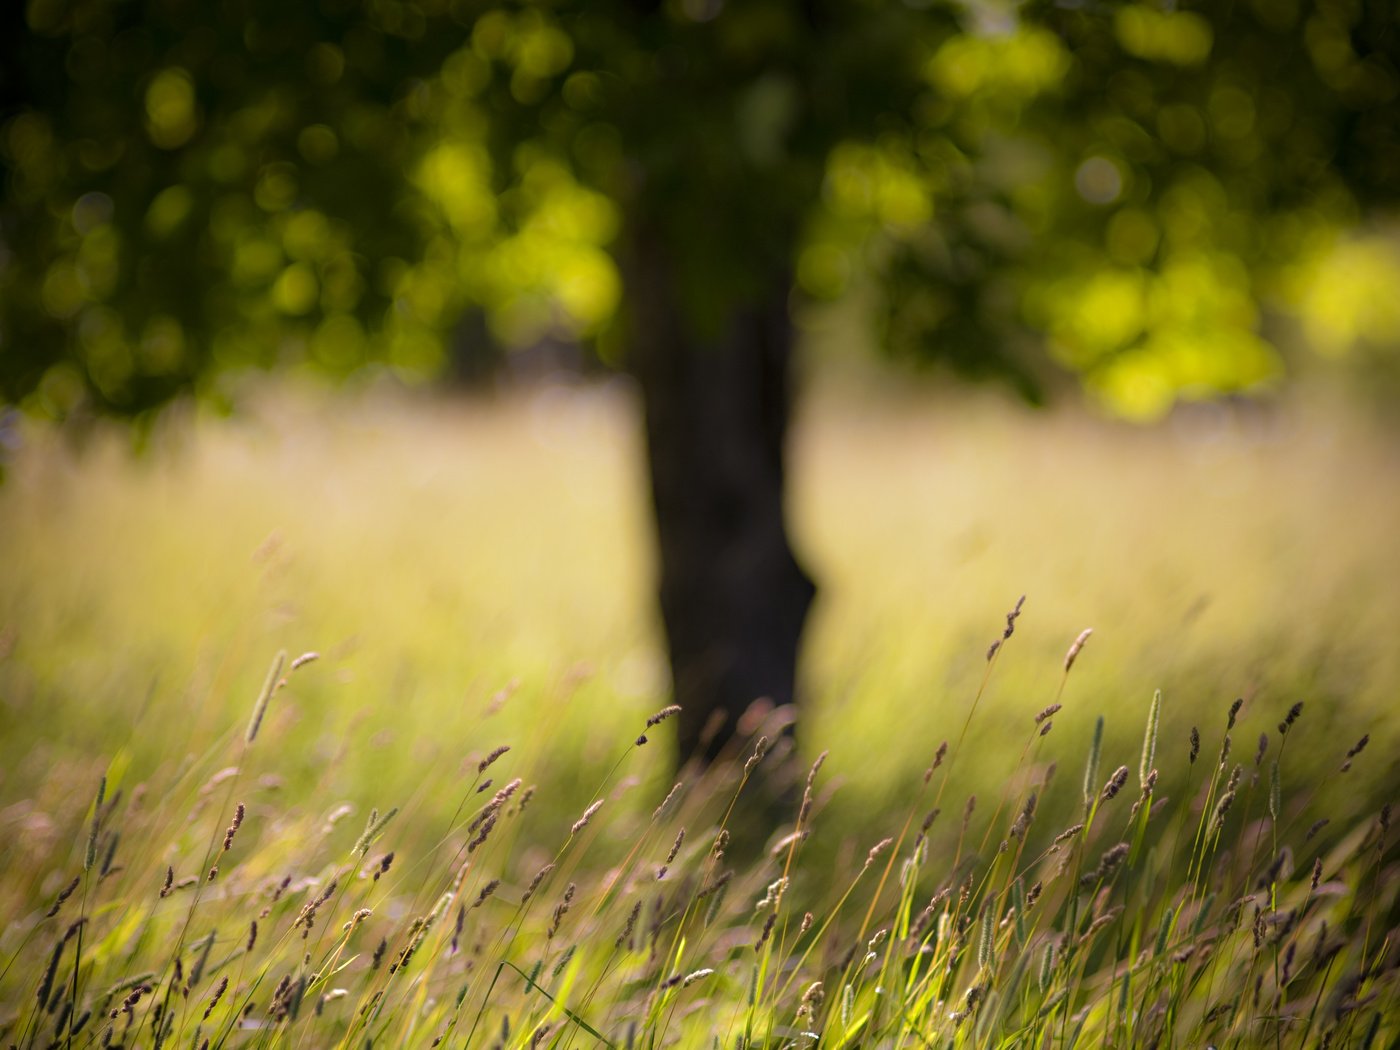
x,y
439,337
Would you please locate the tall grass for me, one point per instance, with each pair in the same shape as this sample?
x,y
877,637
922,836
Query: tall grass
x,y
1021,849
204,910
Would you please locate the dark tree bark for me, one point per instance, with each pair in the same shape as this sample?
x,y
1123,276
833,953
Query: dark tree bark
x,y
733,596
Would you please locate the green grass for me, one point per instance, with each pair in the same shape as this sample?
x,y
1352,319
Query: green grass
x,y
475,576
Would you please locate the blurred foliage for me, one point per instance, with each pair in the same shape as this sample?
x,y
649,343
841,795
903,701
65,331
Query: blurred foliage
x,y
191,189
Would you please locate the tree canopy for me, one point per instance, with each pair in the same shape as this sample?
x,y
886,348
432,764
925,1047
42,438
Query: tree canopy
x,y
192,189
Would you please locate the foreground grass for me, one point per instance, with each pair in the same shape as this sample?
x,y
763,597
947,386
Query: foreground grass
x,y
477,578
208,910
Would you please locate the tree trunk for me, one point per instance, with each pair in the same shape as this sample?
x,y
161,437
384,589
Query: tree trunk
x,y
733,596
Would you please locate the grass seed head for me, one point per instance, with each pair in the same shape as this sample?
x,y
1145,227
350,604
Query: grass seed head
x,y
382,867
767,931
657,719
1076,646
774,895
486,828
1115,784
921,922
721,842
986,945
582,821
1008,630
91,853
1047,966
46,981
625,937
760,749
1108,864
540,876
219,990
1222,808
663,714
811,1001
715,885
499,799
491,757
63,895
1149,739
304,659
938,757
670,796
373,828
875,851
1091,768
1235,775
676,846
560,910
233,827
1023,819
1356,750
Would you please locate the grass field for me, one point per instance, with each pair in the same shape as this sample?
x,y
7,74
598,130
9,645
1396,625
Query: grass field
x,y
475,575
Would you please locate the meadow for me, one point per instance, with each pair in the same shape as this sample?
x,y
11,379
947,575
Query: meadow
x,y
321,730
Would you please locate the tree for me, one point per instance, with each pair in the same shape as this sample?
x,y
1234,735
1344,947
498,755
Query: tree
x,y
192,189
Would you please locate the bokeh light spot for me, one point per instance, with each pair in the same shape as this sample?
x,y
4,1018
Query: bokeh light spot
x,y
1099,180
171,119
295,290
